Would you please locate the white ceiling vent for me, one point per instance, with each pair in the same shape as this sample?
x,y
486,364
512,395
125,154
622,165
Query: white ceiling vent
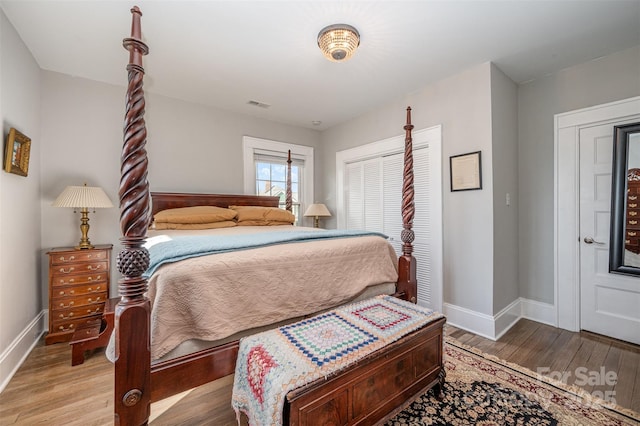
x,y
259,104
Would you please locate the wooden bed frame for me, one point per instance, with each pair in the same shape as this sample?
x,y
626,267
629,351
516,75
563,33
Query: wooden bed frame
x,y
137,382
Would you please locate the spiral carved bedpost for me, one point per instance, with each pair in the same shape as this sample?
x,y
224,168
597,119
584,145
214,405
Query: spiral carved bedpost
x,y
288,200
407,282
132,316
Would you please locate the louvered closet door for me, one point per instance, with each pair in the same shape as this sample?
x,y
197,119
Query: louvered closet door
x,y
392,168
364,195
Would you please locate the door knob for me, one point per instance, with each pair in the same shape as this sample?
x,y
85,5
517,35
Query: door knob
x,y
590,240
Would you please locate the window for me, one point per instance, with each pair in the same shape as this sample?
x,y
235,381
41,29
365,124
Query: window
x,y
265,168
271,179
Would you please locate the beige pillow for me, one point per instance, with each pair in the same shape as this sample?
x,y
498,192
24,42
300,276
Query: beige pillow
x,y
262,223
222,224
263,214
197,214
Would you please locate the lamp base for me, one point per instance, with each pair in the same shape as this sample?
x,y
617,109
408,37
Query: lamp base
x,y
83,246
84,243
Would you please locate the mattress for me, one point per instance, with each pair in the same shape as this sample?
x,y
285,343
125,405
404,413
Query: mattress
x,y
213,298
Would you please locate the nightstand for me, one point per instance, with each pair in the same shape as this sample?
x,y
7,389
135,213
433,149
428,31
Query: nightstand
x,y
78,289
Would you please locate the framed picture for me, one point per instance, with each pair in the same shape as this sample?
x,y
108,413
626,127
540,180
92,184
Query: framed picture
x,y
466,171
16,153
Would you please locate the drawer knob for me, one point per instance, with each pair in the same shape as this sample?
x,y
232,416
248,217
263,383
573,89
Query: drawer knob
x,y
633,222
97,299
62,259
64,271
633,213
67,282
67,317
94,268
632,234
97,278
633,205
68,306
633,197
63,328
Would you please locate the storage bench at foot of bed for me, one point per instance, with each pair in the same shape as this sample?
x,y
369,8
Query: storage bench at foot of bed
x,y
374,387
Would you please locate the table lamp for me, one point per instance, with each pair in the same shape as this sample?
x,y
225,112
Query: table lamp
x,y
83,198
316,211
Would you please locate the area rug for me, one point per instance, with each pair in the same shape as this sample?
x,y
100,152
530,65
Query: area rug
x,y
483,390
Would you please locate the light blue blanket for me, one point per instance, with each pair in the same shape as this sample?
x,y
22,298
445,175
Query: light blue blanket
x,y
179,248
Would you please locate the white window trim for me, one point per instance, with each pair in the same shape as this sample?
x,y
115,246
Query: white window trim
x,y
250,144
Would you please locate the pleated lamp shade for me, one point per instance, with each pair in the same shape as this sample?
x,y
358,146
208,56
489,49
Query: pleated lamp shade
x,y
317,210
92,197
83,198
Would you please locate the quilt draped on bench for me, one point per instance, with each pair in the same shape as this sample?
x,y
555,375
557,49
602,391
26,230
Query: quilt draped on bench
x,y
272,363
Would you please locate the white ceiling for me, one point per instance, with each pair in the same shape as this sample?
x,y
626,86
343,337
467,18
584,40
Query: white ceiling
x,y
226,53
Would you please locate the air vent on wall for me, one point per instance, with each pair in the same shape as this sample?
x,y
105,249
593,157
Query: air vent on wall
x,y
259,104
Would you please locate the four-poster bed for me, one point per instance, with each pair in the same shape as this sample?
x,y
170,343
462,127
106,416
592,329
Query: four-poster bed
x,y
138,382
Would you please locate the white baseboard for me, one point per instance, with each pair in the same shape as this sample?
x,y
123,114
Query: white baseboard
x,y
466,319
12,358
539,312
493,327
506,318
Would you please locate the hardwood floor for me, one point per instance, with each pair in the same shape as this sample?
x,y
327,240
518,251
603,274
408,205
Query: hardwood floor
x,y
47,390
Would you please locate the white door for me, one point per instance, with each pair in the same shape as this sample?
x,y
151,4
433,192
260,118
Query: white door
x,y
609,303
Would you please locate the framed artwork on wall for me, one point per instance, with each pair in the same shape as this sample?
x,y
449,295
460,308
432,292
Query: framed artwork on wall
x,y
16,153
466,171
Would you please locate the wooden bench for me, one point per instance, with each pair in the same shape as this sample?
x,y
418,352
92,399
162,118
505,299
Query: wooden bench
x,y
376,386
94,335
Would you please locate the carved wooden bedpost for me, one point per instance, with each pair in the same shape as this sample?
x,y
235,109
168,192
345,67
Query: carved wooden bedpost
x,y
288,201
407,282
132,316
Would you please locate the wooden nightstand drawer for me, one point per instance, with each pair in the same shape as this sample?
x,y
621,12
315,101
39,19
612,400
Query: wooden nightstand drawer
x,y
71,302
69,326
75,256
67,280
80,268
78,289
79,312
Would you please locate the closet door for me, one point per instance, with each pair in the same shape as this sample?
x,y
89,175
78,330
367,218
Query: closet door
x,y
392,168
364,203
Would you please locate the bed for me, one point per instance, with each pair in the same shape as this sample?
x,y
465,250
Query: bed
x,y
138,380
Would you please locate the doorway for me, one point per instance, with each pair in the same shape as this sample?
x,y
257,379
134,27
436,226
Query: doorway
x,y
587,296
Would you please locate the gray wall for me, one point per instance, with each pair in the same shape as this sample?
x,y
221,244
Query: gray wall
x,y
504,129
21,298
191,148
606,79
462,105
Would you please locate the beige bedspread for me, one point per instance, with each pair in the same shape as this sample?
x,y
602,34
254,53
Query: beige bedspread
x,y
215,296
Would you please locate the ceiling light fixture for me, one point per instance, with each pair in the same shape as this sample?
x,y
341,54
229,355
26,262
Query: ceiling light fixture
x,y
338,42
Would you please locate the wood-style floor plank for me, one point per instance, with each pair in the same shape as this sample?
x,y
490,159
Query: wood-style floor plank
x,y
46,390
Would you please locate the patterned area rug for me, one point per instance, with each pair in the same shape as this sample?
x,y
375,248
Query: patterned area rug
x,y
482,390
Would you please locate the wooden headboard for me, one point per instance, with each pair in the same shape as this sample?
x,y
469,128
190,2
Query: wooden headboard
x,y
171,200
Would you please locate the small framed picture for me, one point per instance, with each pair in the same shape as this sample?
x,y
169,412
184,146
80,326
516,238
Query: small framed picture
x,y
16,153
466,171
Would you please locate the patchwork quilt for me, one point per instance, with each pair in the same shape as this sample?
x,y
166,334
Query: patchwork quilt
x,y
272,363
